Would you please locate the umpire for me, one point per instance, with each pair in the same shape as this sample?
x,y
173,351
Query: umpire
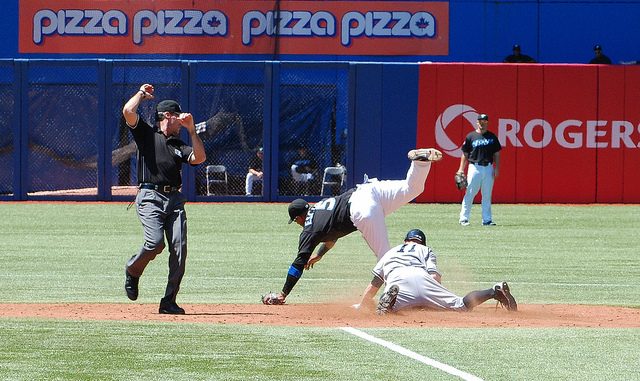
x,y
159,203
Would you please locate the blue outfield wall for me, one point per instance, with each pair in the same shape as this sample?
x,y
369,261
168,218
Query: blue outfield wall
x,y
63,139
384,119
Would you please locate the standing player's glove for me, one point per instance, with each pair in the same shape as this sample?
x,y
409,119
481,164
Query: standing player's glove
x,y
461,180
272,299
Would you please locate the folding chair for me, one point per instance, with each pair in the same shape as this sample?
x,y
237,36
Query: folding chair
x,y
333,176
216,176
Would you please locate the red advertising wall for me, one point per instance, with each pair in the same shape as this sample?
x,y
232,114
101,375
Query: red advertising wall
x,y
570,133
234,27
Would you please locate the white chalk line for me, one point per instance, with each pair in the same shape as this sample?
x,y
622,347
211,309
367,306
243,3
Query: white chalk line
x,y
405,352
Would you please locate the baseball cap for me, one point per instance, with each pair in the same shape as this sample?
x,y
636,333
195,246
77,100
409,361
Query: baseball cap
x,y
516,47
483,117
597,47
169,105
296,208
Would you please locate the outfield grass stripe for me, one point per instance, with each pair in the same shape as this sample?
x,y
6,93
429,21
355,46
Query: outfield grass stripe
x,y
322,279
405,352
326,279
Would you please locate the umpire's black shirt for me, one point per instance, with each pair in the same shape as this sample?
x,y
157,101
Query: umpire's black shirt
x,y
160,157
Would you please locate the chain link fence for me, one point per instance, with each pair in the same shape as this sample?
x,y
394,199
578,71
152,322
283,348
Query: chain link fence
x,y
7,121
76,141
62,154
312,136
230,107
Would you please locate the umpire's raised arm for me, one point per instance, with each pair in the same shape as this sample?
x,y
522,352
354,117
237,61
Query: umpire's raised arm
x,y
198,156
130,109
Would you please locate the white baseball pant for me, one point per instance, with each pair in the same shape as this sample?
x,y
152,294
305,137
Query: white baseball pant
x,y
480,178
372,202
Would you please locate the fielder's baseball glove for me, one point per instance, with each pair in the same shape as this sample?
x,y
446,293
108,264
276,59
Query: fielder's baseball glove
x,y
461,180
271,299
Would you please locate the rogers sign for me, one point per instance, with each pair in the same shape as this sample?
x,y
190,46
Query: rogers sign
x,y
539,133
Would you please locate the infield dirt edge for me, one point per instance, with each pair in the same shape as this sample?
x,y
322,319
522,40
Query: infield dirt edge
x,y
337,315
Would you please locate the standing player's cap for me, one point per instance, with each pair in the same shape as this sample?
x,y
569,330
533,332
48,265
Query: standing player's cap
x,y
297,208
516,47
416,235
170,106
597,47
483,117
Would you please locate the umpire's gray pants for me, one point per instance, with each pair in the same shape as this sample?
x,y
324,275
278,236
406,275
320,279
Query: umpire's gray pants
x,y
160,215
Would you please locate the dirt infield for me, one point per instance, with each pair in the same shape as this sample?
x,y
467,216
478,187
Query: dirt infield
x,y
337,315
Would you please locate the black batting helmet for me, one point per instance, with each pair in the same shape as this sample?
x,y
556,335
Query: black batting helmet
x,y
416,235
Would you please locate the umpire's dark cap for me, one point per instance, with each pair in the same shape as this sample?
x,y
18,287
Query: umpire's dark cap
x,y
296,208
169,105
597,47
483,117
516,47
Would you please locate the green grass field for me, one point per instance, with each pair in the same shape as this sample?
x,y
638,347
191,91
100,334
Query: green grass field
x,y
75,252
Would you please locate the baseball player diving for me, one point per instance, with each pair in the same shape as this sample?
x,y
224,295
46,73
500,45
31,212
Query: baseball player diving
x,y
362,208
412,280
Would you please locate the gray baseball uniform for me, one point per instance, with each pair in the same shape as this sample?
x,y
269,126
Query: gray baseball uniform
x,y
409,266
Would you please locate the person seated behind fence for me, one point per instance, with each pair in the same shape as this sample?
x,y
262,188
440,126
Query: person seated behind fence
x,y
303,167
255,172
599,57
518,57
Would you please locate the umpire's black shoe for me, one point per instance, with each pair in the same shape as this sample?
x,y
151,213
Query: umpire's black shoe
x,y
131,285
170,308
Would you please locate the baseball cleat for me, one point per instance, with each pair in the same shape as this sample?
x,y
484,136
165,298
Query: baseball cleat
x,y
464,223
424,154
131,285
170,308
504,297
387,300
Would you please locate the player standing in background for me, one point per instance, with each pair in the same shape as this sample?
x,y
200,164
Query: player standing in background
x,y
159,203
362,208
412,280
481,150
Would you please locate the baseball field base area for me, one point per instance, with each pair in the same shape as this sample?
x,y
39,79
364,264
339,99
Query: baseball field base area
x,y
339,315
64,313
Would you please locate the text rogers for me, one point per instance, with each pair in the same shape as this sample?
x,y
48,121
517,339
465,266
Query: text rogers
x,y
570,133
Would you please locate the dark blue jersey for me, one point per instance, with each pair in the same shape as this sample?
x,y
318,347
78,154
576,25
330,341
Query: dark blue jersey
x,y
480,148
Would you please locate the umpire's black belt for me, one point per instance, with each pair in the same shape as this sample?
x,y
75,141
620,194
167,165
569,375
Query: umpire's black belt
x,y
483,163
159,188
